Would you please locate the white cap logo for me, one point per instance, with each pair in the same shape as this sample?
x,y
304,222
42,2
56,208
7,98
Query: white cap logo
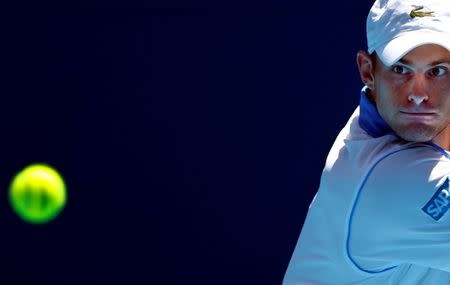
x,y
416,12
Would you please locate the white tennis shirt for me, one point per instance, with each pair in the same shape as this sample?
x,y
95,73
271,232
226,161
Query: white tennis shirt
x,y
380,215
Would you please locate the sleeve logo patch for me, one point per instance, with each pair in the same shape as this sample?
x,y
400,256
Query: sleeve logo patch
x,y
439,203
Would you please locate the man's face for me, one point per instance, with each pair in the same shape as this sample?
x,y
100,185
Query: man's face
x,y
413,95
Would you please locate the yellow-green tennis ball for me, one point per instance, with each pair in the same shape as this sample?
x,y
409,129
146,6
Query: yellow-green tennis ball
x,y
37,193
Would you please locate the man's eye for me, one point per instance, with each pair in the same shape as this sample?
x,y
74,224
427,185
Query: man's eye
x,y
438,71
400,69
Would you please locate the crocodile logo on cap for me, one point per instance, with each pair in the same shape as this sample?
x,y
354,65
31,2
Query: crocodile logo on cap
x,y
416,12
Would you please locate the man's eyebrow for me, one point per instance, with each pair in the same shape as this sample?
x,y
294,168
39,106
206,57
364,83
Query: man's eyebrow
x,y
436,62
405,61
440,61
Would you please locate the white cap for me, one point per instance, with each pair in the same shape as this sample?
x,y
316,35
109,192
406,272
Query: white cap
x,y
395,27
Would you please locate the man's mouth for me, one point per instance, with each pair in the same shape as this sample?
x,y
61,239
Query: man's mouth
x,y
418,115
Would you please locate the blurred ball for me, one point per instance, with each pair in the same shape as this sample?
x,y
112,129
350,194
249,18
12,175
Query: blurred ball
x,y
37,193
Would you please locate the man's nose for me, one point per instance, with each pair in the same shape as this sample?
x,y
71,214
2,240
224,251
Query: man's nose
x,y
418,93
417,99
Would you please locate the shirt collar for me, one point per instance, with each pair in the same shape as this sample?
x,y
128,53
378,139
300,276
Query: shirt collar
x,y
369,118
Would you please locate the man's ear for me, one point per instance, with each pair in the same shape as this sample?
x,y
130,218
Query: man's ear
x,y
366,68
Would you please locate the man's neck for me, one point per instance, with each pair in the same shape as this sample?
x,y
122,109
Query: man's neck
x,y
443,139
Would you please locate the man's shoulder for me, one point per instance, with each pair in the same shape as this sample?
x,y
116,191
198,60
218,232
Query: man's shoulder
x,y
403,160
402,182
402,194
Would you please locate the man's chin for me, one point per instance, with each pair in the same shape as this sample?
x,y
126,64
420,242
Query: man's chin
x,y
416,138
418,133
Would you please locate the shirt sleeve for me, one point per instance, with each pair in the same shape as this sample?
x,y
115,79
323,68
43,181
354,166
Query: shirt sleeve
x,y
401,212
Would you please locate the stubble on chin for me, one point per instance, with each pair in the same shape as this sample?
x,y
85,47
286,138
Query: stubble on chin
x,y
416,133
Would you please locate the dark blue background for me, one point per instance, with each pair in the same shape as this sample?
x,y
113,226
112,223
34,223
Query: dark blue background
x,y
191,136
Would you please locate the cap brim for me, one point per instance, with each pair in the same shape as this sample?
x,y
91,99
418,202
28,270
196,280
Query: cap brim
x,y
394,50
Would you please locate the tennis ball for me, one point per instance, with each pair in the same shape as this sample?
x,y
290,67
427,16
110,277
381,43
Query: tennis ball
x,y
37,193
